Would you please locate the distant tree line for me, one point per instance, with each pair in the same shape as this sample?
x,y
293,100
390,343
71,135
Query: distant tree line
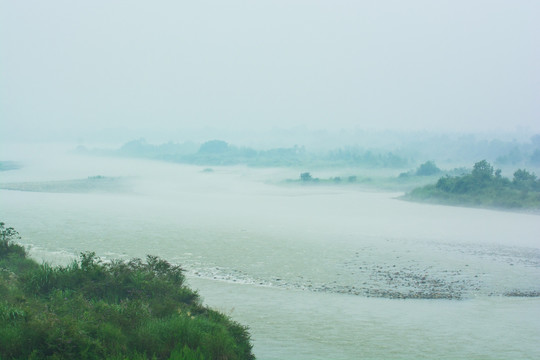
x,y
219,152
447,148
307,178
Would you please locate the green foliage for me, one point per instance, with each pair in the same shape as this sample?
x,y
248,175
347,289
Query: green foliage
x,y
484,187
523,176
306,176
11,314
92,309
482,170
214,147
513,157
427,169
7,245
219,152
357,157
140,148
186,354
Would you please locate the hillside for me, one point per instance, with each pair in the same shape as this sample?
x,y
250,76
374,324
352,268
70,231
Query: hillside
x,y
90,309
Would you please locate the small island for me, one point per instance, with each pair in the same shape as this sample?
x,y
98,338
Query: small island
x,y
483,187
92,184
118,310
9,165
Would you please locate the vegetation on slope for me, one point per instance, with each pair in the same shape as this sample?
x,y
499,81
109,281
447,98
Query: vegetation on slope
x,y
483,187
118,310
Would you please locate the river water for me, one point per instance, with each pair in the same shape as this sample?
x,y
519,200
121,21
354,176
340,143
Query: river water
x,y
315,272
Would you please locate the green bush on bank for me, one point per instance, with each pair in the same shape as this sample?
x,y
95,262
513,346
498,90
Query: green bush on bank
x,y
484,187
118,310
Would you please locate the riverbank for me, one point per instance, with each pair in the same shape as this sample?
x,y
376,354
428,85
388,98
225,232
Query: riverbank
x,y
92,309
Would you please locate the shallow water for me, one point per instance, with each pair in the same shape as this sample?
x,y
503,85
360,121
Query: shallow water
x,y
313,271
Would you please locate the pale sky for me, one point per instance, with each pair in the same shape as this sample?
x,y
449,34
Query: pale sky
x,y
72,67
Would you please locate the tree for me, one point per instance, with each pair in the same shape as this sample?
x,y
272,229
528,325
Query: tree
x,y
526,181
446,183
428,168
136,148
523,175
7,244
214,147
482,170
306,176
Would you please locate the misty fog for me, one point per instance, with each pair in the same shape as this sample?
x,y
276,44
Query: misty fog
x,y
274,149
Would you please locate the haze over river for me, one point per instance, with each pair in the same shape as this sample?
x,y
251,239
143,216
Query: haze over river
x,y
315,272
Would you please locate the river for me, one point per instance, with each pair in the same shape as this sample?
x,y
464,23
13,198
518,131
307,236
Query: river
x,y
316,272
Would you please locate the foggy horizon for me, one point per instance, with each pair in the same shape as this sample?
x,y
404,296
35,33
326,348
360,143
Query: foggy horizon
x,y
72,71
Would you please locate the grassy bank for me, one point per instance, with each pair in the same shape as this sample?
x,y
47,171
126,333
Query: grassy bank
x,y
118,310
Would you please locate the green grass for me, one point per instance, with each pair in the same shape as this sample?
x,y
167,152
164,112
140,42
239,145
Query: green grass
x,y
117,310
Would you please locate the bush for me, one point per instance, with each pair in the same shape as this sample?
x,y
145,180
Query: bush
x,y
7,245
306,176
117,310
484,187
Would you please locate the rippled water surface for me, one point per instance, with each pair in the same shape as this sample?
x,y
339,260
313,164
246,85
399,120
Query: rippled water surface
x,y
315,272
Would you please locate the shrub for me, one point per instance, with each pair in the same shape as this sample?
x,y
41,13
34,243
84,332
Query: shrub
x,y
484,187
118,310
7,245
